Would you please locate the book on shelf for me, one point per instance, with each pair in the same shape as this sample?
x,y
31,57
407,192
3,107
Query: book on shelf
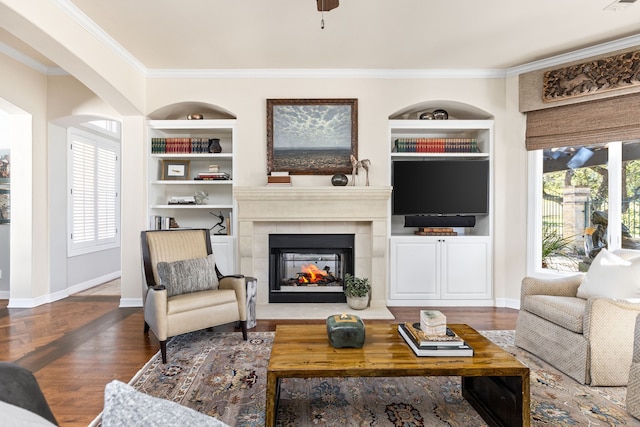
x,y
203,176
162,223
182,200
436,231
179,145
436,145
422,339
463,350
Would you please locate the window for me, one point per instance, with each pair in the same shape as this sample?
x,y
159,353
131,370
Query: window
x,y
583,189
94,185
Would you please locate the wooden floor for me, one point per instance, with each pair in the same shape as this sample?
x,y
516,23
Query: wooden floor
x,y
77,345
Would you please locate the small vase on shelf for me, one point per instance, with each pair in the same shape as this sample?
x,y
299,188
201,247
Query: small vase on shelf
x,y
214,145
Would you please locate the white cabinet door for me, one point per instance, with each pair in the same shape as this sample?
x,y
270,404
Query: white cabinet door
x,y
437,269
414,269
465,268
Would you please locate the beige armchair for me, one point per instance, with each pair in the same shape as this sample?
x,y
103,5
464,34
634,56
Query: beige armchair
x,y
633,387
589,339
184,291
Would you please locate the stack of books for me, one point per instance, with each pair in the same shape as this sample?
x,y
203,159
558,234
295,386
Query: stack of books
x,y
208,176
448,345
279,178
182,200
436,231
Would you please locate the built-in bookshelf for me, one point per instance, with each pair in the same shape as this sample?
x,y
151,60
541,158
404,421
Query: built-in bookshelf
x,y
187,181
455,268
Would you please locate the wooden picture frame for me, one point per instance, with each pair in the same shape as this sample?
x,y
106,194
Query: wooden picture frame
x,y
175,170
312,136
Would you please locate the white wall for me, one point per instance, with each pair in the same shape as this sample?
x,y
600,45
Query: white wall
x,y
377,100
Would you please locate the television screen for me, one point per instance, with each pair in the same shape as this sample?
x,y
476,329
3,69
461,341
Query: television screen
x,y
440,187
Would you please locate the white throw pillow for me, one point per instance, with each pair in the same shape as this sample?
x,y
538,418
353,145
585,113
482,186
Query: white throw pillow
x,y
612,277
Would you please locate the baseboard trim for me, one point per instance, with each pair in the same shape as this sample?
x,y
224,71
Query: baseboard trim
x,y
80,287
130,302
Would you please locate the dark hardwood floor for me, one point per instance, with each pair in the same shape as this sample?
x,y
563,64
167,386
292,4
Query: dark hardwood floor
x,y
77,345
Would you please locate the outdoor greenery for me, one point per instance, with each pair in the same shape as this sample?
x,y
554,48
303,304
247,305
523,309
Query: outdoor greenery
x,y
556,244
356,286
553,244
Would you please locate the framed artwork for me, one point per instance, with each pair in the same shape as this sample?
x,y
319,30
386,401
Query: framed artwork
x,y
5,206
175,169
311,136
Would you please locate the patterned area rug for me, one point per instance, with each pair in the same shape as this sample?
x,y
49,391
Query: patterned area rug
x,y
221,375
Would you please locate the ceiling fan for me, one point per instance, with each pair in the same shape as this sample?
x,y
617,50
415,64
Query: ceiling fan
x,y
327,5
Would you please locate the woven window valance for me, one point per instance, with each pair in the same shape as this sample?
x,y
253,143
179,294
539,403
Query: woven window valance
x,y
586,123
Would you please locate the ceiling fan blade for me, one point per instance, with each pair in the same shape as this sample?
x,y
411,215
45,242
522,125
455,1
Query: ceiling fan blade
x,y
327,5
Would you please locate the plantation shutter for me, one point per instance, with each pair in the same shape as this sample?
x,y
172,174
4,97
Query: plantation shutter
x,y
94,192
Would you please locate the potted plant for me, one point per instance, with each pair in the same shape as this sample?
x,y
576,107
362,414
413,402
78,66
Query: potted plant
x,y
357,291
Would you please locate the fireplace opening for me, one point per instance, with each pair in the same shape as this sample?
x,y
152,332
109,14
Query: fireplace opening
x,y
309,267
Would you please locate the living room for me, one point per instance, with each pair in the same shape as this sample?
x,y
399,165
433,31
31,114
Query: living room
x,y
102,82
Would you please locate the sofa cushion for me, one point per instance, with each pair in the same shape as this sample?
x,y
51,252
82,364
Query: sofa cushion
x,y
611,276
567,312
11,415
125,406
189,275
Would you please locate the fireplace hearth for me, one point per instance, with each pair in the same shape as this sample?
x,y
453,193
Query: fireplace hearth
x,y
309,268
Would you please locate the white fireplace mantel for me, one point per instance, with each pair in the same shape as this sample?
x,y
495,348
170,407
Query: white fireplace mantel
x,y
363,211
312,203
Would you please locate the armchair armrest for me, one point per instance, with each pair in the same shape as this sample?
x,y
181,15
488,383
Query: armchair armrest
x,y
609,327
155,310
560,286
238,284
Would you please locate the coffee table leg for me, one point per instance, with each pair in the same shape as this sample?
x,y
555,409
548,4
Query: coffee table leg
x,y
500,401
272,396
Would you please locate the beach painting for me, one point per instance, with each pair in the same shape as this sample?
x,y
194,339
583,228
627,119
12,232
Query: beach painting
x,y
311,136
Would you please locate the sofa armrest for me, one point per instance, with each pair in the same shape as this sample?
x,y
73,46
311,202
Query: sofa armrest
x,y
238,284
560,286
609,328
20,388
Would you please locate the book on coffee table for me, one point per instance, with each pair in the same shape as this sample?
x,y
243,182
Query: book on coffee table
x,y
463,350
450,338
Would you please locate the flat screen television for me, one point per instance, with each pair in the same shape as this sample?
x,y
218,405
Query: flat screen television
x,y
440,187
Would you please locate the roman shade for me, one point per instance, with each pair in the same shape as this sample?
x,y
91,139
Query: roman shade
x,y
586,123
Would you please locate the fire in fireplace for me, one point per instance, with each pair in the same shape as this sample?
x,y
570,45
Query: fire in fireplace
x,y
309,267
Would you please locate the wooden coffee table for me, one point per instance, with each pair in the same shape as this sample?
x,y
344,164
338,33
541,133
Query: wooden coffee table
x,y
494,382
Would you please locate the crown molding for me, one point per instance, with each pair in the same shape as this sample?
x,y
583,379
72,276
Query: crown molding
x,y
576,55
89,25
323,74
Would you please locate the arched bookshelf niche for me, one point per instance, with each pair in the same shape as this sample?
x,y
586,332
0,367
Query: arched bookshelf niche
x,y
190,173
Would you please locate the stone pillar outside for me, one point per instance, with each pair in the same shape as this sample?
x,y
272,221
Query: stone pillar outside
x,y
573,214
